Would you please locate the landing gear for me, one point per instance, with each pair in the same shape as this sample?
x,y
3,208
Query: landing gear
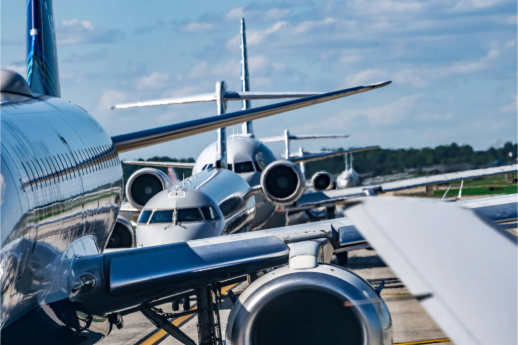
x,y
176,305
186,304
342,258
208,299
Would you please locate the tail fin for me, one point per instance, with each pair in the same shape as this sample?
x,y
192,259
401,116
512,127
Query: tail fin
x,y
42,56
460,190
245,78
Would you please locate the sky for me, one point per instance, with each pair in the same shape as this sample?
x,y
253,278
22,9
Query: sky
x,y
453,64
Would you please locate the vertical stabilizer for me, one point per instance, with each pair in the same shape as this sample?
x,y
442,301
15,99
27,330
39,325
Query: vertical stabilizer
x,y
221,159
245,78
42,55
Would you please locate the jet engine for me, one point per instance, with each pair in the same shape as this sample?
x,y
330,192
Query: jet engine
x,y
144,184
322,180
282,182
309,303
123,235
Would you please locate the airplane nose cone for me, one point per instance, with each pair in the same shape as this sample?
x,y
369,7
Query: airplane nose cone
x,y
155,235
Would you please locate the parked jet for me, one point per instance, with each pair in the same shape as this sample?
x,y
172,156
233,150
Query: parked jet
x,y
61,183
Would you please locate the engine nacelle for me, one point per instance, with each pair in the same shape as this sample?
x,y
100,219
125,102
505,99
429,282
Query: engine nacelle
x,y
144,184
282,182
123,235
322,180
322,305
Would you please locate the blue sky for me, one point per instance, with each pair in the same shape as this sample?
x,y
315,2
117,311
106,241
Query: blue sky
x,y
453,64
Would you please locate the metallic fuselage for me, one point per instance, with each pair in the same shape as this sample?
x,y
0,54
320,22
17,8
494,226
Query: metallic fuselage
x,y
61,182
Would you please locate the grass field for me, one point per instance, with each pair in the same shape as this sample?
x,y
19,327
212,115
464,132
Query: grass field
x,y
494,185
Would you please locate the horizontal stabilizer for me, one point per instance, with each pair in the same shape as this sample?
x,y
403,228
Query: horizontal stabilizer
x,y
304,137
329,154
162,164
137,140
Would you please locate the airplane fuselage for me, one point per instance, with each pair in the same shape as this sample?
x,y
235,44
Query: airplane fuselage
x,y
61,193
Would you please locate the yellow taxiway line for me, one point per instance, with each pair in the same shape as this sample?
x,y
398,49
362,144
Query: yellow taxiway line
x,y
178,321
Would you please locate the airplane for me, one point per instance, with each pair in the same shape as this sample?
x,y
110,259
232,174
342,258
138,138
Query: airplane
x,y
61,194
243,153
246,214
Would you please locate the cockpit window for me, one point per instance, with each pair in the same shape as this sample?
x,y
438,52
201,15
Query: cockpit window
x,y
209,213
162,216
144,216
259,165
189,215
243,167
204,167
229,167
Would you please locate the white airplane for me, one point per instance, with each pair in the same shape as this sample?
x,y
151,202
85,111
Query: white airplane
x,y
61,185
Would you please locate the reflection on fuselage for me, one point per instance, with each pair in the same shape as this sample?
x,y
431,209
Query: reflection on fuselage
x,y
61,180
208,204
247,157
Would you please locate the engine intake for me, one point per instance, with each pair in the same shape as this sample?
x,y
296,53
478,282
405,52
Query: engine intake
x,y
144,184
123,235
323,305
322,180
282,182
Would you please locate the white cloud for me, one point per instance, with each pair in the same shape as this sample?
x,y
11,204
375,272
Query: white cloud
x,y
18,69
76,31
111,97
384,7
198,28
510,44
152,81
368,76
470,5
257,15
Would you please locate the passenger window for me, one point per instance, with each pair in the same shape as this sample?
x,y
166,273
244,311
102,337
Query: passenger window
x,y
209,213
243,167
189,215
162,216
88,164
144,216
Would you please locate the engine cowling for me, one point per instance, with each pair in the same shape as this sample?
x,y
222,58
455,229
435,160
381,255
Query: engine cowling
x,y
282,182
123,235
322,305
144,184
322,180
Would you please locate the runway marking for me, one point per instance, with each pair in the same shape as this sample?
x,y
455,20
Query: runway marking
x,y
160,334
431,341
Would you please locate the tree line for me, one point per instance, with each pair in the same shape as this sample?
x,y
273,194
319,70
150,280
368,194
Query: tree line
x,y
383,161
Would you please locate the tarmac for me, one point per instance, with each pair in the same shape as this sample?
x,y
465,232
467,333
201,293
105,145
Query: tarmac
x,y
411,324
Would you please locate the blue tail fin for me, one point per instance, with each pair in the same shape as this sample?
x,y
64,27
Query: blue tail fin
x,y
42,55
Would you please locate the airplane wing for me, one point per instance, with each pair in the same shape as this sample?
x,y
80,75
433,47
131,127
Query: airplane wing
x,y
338,196
128,278
136,140
463,269
329,154
162,164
